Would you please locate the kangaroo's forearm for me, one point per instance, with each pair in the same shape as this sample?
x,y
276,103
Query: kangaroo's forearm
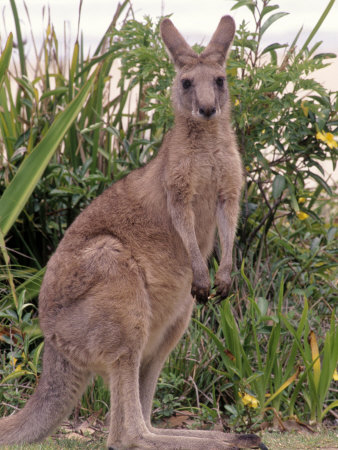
x,y
226,216
183,221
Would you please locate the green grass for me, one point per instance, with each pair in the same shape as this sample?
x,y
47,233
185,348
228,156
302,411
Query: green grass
x,y
61,444
286,441
327,439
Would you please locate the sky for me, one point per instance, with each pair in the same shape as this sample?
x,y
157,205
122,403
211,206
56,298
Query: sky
x,y
196,19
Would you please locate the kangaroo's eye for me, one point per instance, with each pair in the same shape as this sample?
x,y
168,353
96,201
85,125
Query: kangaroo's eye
x,y
220,82
186,84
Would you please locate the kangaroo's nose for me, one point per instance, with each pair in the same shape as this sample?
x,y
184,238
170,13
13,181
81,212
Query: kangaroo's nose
x,y
208,111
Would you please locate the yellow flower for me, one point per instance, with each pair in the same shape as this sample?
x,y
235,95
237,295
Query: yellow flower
x,y
302,215
249,400
301,200
328,138
16,367
236,102
335,375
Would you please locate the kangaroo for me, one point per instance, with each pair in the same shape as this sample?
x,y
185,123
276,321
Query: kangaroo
x,y
119,291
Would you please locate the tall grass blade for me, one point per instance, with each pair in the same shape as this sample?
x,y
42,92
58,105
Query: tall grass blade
x,y
328,408
317,26
7,263
19,39
5,58
282,387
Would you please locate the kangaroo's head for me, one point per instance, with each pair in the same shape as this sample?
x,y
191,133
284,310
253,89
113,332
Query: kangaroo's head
x,y
200,88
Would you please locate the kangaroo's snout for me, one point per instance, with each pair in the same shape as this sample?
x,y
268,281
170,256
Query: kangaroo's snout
x,y
207,111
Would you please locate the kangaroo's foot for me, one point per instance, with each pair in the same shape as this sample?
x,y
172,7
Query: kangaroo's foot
x,y
191,440
236,440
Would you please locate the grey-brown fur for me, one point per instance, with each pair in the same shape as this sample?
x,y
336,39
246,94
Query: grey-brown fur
x,y
116,297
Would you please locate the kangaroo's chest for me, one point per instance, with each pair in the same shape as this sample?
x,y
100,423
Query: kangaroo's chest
x,y
205,198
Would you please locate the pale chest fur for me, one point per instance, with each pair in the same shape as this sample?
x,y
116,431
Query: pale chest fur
x,y
203,170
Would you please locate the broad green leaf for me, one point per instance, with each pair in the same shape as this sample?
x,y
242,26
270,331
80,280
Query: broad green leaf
x,y
278,186
21,187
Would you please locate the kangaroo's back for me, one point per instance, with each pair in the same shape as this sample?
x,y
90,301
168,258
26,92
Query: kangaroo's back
x,y
119,290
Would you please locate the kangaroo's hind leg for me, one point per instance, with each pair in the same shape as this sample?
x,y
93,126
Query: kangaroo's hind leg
x,y
149,373
128,429
152,365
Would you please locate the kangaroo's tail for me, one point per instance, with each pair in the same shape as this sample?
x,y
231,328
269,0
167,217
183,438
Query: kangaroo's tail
x,y
60,386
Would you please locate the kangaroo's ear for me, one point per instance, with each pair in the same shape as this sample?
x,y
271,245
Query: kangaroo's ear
x,y
218,47
179,50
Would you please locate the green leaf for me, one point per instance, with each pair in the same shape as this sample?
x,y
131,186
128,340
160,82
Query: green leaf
x,y
230,365
241,3
331,234
273,47
325,56
268,9
57,91
321,182
14,375
270,21
247,281
263,305
293,199
278,186
328,408
21,187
